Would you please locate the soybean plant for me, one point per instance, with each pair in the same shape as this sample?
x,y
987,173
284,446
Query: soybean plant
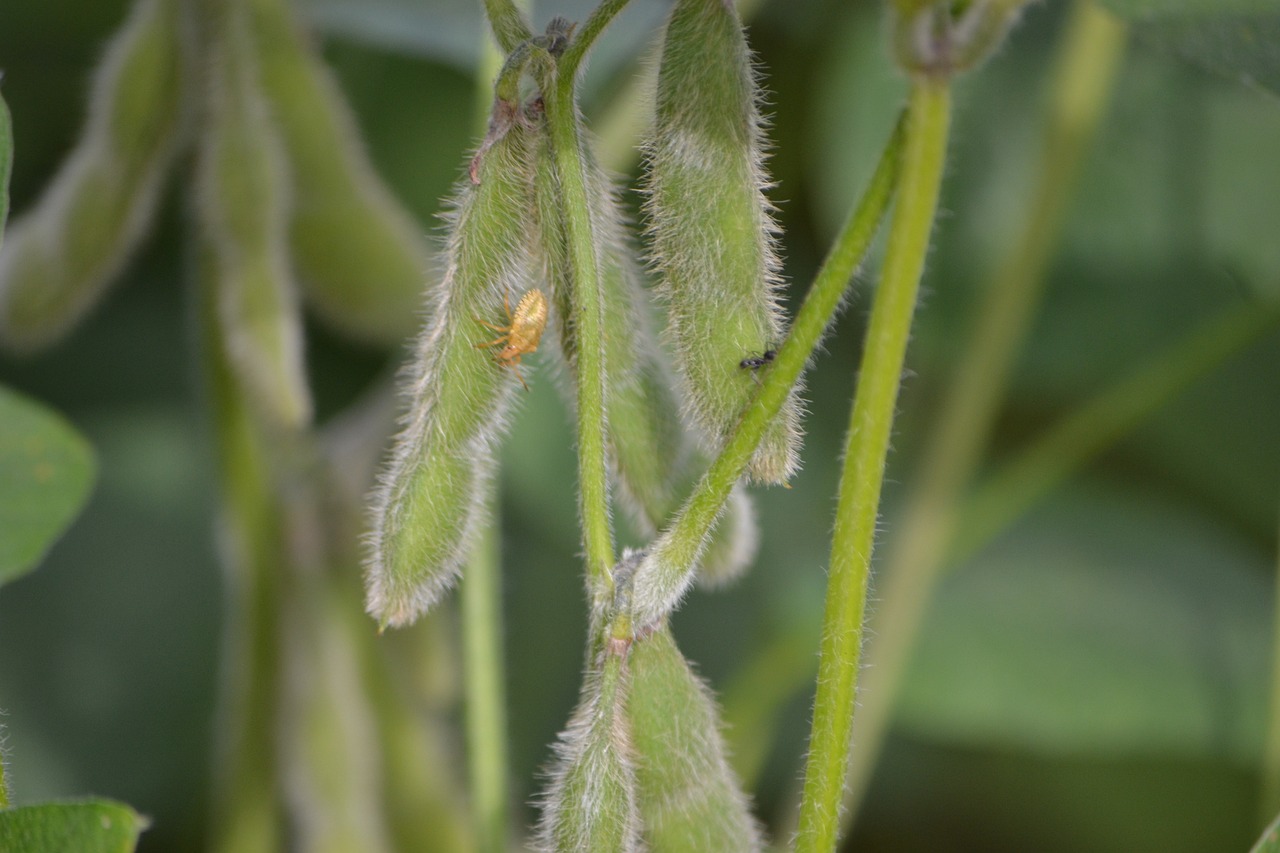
x,y
641,764
288,212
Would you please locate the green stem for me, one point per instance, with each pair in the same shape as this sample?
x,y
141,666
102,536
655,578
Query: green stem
x,y
486,719
247,815
1269,800
683,539
600,18
868,443
588,308
1101,422
583,262
1086,64
508,23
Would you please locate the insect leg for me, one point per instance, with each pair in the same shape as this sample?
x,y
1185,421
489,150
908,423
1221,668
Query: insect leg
x,y
493,342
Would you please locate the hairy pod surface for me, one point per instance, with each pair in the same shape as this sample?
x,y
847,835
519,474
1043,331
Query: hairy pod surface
x,y
711,228
689,798
243,206
429,503
591,801
360,258
61,255
650,452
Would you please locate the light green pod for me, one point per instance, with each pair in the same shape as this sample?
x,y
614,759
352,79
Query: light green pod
x,y
430,501
652,457
360,258
689,798
330,751
61,255
243,206
591,801
711,230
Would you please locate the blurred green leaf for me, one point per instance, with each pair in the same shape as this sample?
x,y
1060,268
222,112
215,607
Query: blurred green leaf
x,y
46,470
1112,623
6,163
1236,38
1242,47
855,103
88,826
1270,840
1142,10
449,31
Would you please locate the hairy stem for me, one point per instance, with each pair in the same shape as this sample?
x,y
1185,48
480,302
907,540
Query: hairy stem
x,y
1086,66
600,18
868,443
588,319
508,23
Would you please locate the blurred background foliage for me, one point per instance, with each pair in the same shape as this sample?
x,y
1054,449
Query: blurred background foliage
x,y
1094,679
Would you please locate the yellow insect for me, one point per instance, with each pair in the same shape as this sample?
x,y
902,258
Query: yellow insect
x,y
523,332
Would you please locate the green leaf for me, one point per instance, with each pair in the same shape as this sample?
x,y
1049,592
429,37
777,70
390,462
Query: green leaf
x,y
1239,39
86,826
1111,623
1242,47
6,163
46,469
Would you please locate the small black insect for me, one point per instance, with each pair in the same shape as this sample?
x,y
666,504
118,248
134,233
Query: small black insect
x,y
755,362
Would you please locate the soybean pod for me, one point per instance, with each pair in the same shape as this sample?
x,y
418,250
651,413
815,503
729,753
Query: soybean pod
x,y
361,260
711,228
429,503
243,208
688,796
59,257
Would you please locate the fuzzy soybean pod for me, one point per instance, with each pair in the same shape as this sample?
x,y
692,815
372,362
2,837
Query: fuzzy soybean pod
x,y
711,228
689,798
430,501
591,802
243,204
60,256
651,454
360,258
329,752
